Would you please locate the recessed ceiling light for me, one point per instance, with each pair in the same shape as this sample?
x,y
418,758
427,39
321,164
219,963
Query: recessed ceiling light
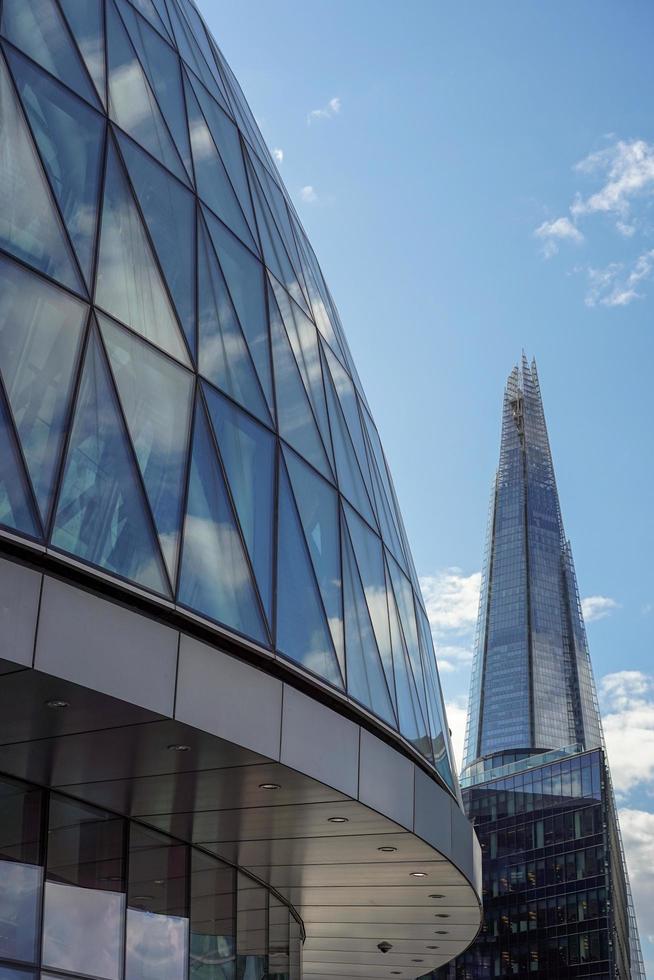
x,y
179,747
440,932
160,881
387,849
432,947
418,874
338,819
442,915
269,786
437,896
57,703
417,961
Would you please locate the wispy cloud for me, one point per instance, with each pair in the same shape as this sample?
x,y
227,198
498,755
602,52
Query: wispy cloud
x,y
551,233
308,194
452,600
328,111
627,169
616,285
278,155
627,698
638,835
597,607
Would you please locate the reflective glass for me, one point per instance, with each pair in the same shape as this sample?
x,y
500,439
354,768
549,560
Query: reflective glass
x,y
412,722
16,509
248,454
365,675
155,14
21,878
101,514
302,632
227,140
245,281
369,557
129,284
404,601
159,427
317,503
213,929
215,579
223,357
86,21
157,914
37,28
251,930
190,52
169,211
211,177
347,399
296,421
29,224
69,136
278,939
162,67
40,333
131,101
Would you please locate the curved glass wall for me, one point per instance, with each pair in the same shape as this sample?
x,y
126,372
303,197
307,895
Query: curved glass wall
x,y
178,404
87,894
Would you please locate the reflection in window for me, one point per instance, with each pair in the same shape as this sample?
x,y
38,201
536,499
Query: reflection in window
x,y
212,919
20,876
251,930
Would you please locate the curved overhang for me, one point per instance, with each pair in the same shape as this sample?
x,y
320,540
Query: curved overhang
x,y
348,828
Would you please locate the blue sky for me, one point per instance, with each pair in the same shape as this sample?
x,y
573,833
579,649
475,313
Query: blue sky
x,y
478,178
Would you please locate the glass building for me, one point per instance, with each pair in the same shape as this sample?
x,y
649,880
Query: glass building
x,y
223,744
536,783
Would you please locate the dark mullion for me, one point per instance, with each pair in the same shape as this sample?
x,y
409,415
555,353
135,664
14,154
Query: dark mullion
x,y
105,52
237,523
153,250
53,198
210,244
346,531
80,58
307,552
134,459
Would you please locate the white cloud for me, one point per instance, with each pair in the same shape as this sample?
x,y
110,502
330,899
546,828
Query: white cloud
x,y
615,286
308,194
555,231
597,607
457,712
328,111
278,155
452,600
628,170
638,836
628,719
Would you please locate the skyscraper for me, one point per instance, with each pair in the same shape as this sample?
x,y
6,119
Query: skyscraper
x,y
223,748
535,779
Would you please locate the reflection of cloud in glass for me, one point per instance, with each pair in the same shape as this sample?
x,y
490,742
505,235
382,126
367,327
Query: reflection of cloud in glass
x,y
156,946
20,886
82,930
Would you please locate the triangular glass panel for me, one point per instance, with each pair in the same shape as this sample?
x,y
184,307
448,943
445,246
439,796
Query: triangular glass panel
x,y
86,21
211,178
40,332
369,557
101,515
435,709
150,12
169,211
162,66
302,631
411,721
277,204
274,251
224,357
381,490
129,284
317,502
404,599
248,454
350,480
190,52
317,291
347,399
215,578
228,143
304,340
29,223
37,29
156,395
296,422
16,508
245,280
365,675
131,101
70,138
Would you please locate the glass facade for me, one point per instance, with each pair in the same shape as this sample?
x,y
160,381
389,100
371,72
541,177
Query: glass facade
x,y
537,787
87,894
179,408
